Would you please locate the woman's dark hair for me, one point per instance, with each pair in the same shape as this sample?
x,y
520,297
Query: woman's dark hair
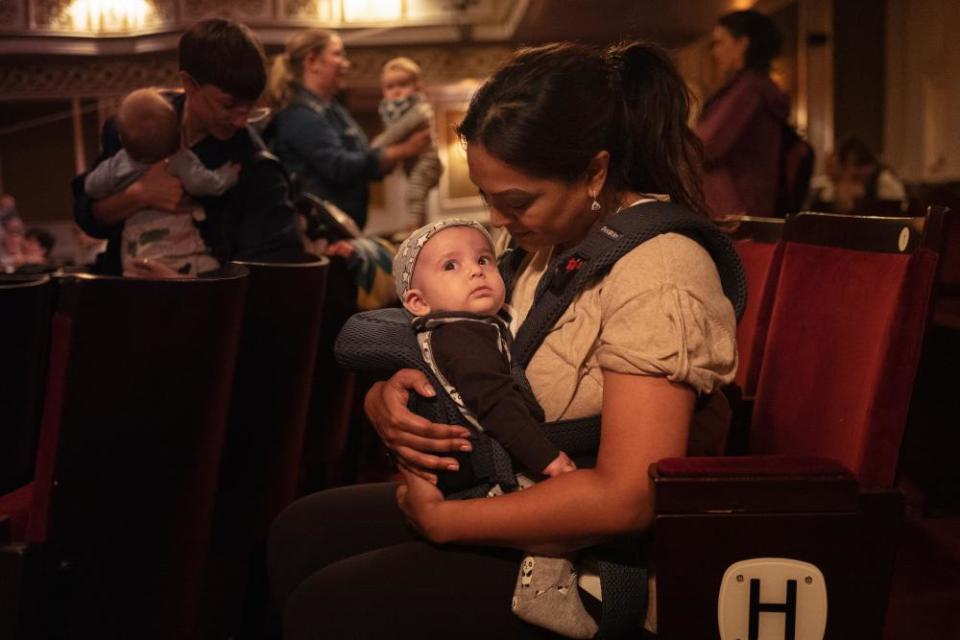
x,y
225,54
550,109
764,36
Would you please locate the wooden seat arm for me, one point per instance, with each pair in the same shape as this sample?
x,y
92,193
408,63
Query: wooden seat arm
x,y
753,484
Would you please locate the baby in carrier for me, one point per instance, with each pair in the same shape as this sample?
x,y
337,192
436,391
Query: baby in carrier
x,y
150,132
447,277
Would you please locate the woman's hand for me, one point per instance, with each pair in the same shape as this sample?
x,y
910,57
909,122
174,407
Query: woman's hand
x,y
417,143
151,269
412,438
422,504
342,248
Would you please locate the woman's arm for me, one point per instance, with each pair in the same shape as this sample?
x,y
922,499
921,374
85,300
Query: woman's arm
x,y
99,217
405,433
155,189
414,145
644,419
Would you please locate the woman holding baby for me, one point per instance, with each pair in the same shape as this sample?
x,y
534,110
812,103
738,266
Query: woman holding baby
x,y
558,140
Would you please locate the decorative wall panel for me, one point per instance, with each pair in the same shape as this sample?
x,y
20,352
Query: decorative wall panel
x,y
77,16
26,78
12,14
440,64
242,10
320,10
56,26
63,77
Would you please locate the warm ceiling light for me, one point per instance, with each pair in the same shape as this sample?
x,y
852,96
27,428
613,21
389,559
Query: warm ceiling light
x,y
372,10
109,15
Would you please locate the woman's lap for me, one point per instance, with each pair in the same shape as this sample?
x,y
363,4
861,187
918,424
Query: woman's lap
x,y
343,564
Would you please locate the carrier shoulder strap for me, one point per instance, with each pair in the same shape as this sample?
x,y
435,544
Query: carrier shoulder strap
x,y
575,269
623,579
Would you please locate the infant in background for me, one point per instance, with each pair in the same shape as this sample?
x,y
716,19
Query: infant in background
x,y
404,109
149,130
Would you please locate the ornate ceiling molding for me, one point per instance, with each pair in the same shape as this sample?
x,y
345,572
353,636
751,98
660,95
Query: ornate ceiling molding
x,y
81,27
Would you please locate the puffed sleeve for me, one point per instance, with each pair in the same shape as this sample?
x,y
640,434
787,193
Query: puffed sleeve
x,y
664,313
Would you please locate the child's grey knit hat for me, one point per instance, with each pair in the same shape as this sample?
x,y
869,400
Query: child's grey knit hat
x,y
406,259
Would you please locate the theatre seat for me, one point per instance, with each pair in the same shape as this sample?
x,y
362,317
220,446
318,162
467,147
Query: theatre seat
x,y
757,241
25,308
833,389
108,541
330,458
268,412
844,339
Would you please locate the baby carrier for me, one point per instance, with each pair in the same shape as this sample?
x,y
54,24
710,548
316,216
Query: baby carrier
x,y
381,342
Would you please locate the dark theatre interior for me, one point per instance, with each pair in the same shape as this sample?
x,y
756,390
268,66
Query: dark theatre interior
x,y
197,198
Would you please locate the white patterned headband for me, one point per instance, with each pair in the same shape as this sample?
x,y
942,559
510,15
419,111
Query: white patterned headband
x,y
406,259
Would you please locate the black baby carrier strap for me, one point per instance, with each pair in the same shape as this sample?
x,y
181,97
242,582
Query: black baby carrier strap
x,y
623,576
381,342
575,269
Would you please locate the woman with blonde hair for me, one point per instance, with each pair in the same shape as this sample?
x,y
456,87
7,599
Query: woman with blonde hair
x,y
314,136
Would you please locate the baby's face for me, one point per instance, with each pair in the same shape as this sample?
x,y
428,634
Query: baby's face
x,y
456,271
397,84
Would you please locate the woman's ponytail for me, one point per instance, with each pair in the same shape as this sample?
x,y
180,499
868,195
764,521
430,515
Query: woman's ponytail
x,y
279,91
287,67
658,152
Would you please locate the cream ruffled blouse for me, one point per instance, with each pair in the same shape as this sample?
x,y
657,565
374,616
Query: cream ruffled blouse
x,y
660,311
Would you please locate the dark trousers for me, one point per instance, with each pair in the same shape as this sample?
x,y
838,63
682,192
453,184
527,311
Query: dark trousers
x,y
343,564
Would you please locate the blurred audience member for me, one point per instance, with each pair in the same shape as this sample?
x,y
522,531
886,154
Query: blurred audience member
x,y
11,241
8,205
149,130
856,182
315,137
742,125
86,248
37,245
222,70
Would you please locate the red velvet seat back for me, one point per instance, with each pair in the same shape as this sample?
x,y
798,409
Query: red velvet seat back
x,y
136,406
25,309
757,241
844,341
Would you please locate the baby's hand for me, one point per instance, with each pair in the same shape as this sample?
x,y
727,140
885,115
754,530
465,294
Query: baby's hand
x,y
561,464
235,168
342,248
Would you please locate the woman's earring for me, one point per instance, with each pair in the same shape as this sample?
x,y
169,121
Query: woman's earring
x,y
596,204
